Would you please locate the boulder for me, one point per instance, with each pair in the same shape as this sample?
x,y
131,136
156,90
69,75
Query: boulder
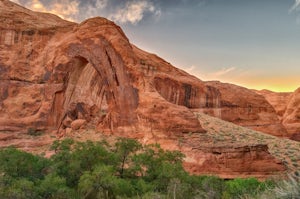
x,y
77,124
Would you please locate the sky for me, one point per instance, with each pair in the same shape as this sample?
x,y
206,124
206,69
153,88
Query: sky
x,y
252,43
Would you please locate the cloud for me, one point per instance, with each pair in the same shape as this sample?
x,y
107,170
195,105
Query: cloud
x,y
134,11
67,9
223,72
120,11
296,6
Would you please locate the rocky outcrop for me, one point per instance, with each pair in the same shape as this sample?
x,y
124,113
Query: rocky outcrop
x,y
55,73
245,108
287,106
231,161
226,101
278,100
291,117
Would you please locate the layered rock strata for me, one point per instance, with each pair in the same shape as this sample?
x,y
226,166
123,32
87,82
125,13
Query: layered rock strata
x,y
287,106
55,74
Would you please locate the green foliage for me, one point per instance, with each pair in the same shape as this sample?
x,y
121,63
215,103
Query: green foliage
x,y
210,187
125,148
102,183
73,159
54,187
239,187
16,188
125,170
19,164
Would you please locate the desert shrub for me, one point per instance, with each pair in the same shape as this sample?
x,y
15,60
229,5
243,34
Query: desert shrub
x,y
287,189
239,187
212,187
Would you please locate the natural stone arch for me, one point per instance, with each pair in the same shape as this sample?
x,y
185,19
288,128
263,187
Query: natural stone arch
x,y
116,86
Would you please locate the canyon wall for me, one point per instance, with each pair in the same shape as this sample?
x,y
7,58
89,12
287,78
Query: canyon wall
x,y
55,74
287,106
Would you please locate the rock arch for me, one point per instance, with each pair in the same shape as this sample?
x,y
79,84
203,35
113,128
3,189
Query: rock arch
x,y
95,82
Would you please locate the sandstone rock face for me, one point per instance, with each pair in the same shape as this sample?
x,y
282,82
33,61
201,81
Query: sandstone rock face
x,y
233,161
54,73
245,108
287,106
278,100
291,117
225,101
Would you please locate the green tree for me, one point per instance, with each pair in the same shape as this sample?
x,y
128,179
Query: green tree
x,y
72,159
20,188
102,183
125,149
55,187
19,164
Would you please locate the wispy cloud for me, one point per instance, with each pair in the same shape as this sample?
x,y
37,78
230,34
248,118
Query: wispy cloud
x,y
131,11
134,12
223,72
296,6
67,9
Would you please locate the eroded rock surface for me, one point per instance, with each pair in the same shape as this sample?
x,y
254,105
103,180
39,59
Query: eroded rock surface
x,y
54,72
246,108
232,161
291,117
287,106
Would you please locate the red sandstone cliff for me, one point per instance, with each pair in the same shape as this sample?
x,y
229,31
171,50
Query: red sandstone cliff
x,y
287,106
54,72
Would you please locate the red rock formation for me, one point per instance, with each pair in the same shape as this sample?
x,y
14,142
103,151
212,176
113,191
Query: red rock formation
x,y
287,106
226,101
291,117
233,161
245,108
278,100
54,72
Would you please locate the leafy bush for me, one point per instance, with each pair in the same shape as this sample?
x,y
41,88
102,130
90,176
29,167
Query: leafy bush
x,y
124,170
19,164
240,187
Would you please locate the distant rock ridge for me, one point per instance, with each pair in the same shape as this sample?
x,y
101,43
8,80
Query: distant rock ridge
x,y
287,106
54,72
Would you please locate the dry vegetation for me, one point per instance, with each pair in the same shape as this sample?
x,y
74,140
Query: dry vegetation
x,y
222,132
